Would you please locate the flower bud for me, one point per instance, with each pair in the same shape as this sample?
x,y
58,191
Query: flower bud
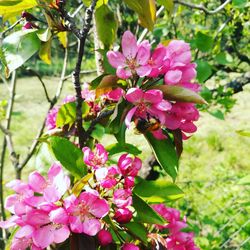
x,y
130,246
104,237
123,215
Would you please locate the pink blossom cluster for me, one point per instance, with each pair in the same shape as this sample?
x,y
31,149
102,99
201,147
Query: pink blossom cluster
x,y
44,216
118,178
171,63
176,240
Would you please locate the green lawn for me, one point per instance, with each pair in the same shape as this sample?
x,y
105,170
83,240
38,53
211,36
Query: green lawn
x,y
214,160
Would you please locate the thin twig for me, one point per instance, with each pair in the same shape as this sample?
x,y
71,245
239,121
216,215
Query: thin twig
x,y
76,11
83,72
201,7
11,27
42,82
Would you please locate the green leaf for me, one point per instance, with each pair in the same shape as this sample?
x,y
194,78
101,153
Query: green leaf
x,y
95,83
239,3
223,58
106,25
138,230
70,156
98,132
119,148
67,113
217,114
45,51
98,4
165,154
10,8
204,70
44,34
180,94
168,4
243,133
145,213
158,191
245,180
203,42
10,238
19,47
146,11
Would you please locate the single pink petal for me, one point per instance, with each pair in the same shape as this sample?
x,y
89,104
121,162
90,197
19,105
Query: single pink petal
x,y
143,70
10,202
11,222
123,73
37,182
61,234
59,216
115,95
143,53
43,237
99,208
173,76
75,224
54,170
51,194
91,226
129,116
188,73
188,127
134,95
158,56
25,231
20,208
153,96
101,152
159,135
172,122
129,45
163,105
101,173
116,59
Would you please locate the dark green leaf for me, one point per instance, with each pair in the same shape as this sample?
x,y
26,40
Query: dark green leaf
x,y
158,191
240,3
138,230
218,114
145,213
95,83
203,42
119,148
70,156
223,58
98,132
165,154
204,70
106,25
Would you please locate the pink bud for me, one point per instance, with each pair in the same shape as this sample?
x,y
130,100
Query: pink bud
x,y
130,246
123,215
104,237
27,26
129,182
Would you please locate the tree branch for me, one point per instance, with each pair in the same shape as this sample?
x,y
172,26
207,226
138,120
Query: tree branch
x,y
83,72
201,7
42,82
11,27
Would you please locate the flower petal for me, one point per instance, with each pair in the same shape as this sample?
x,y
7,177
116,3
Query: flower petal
x,y
134,95
143,70
116,59
123,73
61,234
129,45
129,116
153,96
143,53
91,226
43,236
173,76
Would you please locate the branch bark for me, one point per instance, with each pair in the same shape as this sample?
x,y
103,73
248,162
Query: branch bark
x,y
201,7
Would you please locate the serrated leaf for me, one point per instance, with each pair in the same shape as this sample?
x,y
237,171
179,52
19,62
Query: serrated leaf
x,y
165,154
10,8
158,191
119,148
145,213
180,94
106,25
146,11
70,156
19,47
204,70
45,51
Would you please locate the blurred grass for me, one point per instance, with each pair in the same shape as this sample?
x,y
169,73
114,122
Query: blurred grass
x,y
214,159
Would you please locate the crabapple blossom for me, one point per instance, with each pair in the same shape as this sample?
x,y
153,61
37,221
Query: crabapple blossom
x,y
133,59
123,215
107,177
97,158
85,211
129,166
129,246
122,198
104,237
148,103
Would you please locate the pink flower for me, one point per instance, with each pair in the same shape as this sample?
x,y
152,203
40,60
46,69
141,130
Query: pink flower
x,y
129,246
129,166
84,212
51,118
147,104
122,198
104,237
123,215
53,188
16,203
133,59
114,95
129,182
107,177
95,159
